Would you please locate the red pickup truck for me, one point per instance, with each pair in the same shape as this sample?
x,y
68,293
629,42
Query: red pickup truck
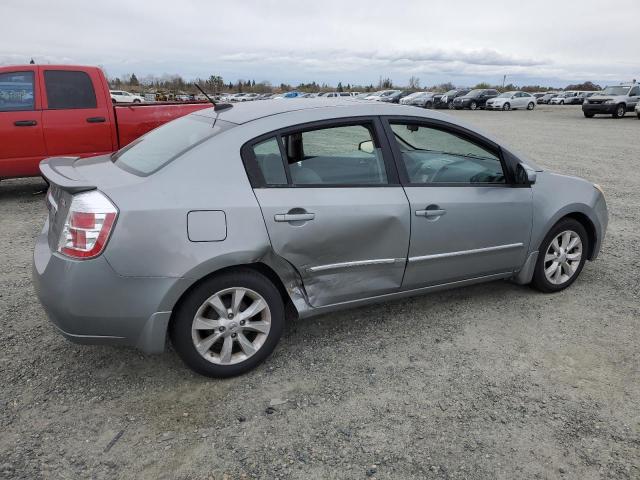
x,y
63,110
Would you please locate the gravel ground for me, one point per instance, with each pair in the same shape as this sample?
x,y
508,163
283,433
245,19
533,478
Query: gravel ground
x,y
494,381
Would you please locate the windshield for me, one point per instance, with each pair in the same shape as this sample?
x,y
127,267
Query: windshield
x,y
152,151
506,94
615,91
451,92
474,93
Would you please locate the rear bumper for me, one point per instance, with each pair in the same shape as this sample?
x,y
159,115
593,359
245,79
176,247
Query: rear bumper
x,y
599,107
90,303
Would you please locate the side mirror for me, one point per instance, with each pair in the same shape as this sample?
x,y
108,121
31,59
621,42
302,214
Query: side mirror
x,y
525,175
366,146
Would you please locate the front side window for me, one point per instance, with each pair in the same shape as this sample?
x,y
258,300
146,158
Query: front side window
x,y
16,92
161,146
344,155
69,90
435,156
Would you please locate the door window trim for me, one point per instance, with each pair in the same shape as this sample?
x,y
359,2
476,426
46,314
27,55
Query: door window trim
x,y
507,166
256,177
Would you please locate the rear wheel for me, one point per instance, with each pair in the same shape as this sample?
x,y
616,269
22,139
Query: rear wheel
x,y
473,105
621,109
228,324
531,106
506,106
561,257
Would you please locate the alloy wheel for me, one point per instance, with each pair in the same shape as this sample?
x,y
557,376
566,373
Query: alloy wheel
x,y
562,258
231,326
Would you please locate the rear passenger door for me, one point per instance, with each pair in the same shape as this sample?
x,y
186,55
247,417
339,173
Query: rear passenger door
x,y
333,207
76,120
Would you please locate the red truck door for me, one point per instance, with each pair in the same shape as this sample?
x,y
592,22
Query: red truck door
x,y
21,139
77,119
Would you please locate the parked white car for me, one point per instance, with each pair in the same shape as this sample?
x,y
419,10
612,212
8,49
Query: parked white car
x,y
247,97
120,96
563,98
336,94
511,101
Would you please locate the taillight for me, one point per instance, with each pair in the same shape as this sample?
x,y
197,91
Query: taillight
x,y
87,226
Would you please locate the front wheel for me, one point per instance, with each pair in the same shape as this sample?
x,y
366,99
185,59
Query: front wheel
x,y
228,324
620,111
136,101
531,106
588,114
428,105
561,257
561,102
450,107
506,106
473,105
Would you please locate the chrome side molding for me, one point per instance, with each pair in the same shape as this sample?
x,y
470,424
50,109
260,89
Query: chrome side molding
x,y
360,263
465,252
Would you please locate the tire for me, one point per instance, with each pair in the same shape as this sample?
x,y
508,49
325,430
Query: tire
x,y
561,102
451,107
473,106
428,105
506,106
113,101
549,281
588,114
136,101
638,114
185,332
621,109
531,106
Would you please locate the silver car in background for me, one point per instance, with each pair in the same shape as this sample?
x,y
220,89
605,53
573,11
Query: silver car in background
x,y
208,228
512,101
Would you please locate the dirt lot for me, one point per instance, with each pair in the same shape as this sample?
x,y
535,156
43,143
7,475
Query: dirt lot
x,y
490,382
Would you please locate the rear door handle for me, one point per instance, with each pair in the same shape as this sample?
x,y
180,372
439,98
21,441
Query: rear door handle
x,y
96,120
25,123
294,217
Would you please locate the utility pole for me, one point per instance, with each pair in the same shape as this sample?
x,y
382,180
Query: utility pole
x,y
504,79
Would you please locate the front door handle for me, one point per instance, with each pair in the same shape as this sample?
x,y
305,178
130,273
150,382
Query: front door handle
x,y
431,211
96,120
25,123
294,217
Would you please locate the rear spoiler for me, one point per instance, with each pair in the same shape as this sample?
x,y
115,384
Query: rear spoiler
x,y
61,172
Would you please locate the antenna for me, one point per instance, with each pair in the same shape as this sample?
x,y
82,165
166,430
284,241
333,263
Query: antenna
x,y
217,107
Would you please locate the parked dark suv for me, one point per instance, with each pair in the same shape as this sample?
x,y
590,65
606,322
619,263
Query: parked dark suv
x,y
474,99
445,100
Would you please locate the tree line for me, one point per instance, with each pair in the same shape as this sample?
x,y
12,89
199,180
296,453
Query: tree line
x,y
216,84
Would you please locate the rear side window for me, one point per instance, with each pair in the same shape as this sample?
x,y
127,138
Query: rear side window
x,y
269,160
161,146
16,91
69,90
344,155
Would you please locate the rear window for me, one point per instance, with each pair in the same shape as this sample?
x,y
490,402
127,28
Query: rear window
x,y
69,90
161,146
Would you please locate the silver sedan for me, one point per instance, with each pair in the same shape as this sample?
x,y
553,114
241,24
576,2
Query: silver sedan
x,y
206,230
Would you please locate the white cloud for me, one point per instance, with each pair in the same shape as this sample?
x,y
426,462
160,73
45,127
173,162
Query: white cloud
x,y
357,41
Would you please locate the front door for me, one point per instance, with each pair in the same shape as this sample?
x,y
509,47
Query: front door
x,y
467,220
76,120
334,209
21,141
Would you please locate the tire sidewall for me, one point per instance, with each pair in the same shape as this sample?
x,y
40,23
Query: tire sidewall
x,y
181,323
473,106
539,278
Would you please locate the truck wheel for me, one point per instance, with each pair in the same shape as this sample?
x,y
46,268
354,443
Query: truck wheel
x,y
228,324
621,109
473,105
588,114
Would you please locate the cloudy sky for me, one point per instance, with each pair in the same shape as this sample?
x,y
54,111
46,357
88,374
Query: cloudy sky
x,y
467,41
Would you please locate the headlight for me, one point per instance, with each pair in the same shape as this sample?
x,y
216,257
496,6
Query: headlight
x,y
599,188
608,101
